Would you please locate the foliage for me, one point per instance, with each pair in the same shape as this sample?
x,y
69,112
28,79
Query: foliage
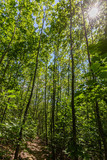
x,y
49,116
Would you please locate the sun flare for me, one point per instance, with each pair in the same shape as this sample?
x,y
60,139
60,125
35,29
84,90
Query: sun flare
x,y
93,12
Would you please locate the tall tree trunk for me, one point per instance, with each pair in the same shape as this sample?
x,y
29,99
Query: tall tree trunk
x,y
46,104
101,131
58,84
72,102
91,28
28,104
89,60
24,102
53,108
58,94
98,119
36,102
69,77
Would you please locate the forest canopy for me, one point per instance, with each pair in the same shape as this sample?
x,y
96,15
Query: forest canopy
x,y
53,78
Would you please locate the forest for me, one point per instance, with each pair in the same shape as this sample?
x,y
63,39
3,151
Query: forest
x,y
53,80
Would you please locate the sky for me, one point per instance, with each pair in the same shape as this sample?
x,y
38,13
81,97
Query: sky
x,y
56,1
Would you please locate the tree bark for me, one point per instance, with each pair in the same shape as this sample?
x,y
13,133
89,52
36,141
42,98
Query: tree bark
x,y
53,109
72,102
69,77
46,104
89,59
24,102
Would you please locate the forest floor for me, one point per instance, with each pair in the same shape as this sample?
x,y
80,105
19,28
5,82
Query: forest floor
x,y
35,150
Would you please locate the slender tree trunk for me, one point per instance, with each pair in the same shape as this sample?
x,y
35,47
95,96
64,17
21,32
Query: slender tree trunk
x,y
46,104
61,90
58,94
101,131
28,104
69,77
36,101
91,28
24,102
89,60
53,109
72,102
100,149
58,75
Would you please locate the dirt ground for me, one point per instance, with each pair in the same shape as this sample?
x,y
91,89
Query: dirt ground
x,y
34,150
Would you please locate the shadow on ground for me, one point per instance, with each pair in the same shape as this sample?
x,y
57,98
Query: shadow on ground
x,y
35,150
